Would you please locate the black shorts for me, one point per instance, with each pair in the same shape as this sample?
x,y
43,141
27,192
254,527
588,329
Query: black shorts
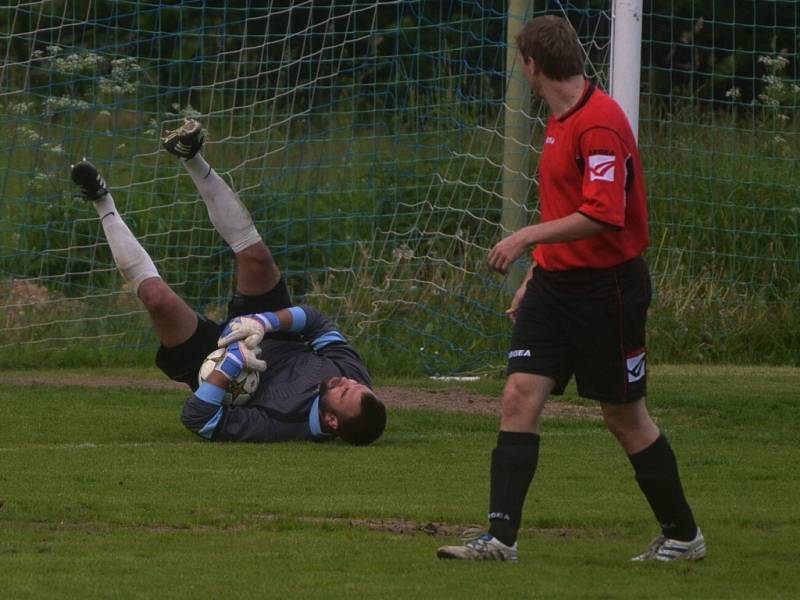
x,y
586,322
182,363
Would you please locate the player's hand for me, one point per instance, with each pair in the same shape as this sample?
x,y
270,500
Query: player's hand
x,y
506,251
250,328
515,302
238,357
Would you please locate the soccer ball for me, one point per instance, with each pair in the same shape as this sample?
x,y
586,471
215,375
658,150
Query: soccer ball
x,y
241,389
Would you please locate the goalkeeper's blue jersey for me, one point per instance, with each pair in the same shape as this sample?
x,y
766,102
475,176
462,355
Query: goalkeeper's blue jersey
x,y
285,406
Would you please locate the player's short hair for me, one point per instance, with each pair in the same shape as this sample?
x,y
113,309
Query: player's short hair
x,y
368,426
553,45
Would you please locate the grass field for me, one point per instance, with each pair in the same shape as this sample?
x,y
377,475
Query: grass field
x,y
106,495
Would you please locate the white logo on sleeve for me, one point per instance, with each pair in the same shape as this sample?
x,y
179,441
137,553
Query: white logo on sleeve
x,y
601,167
636,366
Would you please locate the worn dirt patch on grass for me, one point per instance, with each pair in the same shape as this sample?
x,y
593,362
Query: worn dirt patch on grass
x,y
409,527
385,525
461,400
449,399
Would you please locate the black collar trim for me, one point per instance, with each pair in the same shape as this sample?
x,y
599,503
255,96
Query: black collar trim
x,y
588,90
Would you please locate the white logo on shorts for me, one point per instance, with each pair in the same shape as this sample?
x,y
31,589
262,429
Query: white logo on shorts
x,y
601,167
519,353
636,366
499,515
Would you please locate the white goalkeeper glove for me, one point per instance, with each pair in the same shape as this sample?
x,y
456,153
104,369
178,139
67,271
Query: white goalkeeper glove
x,y
250,328
239,357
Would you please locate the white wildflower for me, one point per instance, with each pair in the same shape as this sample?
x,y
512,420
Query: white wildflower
x,y
20,108
29,133
54,104
54,148
39,180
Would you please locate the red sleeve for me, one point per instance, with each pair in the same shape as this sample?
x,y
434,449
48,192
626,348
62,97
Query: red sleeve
x,y
604,157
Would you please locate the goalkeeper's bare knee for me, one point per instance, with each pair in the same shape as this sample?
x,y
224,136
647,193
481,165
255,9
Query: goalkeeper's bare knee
x,y
157,297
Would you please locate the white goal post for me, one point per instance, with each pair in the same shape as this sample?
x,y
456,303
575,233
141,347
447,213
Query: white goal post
x,y
626,57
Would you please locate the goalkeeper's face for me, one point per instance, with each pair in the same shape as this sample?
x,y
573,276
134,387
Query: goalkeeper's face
x,y
341,397
350,410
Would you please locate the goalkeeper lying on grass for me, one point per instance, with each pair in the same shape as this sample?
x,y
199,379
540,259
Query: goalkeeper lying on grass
x,y
313,384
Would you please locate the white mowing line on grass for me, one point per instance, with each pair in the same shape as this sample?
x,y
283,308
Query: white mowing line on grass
x,y
92,446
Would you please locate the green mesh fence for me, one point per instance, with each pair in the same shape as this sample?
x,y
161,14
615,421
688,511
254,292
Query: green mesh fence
x,y
367,140
720,143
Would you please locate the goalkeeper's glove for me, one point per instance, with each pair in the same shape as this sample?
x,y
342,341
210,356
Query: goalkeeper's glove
x,y
250,328
239,357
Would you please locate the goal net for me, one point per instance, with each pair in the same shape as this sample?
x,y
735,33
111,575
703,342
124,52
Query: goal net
x,y
370,142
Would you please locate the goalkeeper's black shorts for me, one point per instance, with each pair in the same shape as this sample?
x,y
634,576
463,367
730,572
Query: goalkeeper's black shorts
x,y
589,323
182,363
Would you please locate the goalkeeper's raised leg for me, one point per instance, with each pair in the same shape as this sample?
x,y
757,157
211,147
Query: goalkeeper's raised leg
x,y
173,319
256,271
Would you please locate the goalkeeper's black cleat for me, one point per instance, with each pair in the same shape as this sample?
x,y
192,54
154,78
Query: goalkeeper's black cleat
x,y
93,186
185,141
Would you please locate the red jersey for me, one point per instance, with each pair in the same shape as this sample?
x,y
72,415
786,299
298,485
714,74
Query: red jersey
x,y
590,164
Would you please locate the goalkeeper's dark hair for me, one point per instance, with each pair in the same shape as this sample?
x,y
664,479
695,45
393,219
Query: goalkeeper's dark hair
x,y
368,426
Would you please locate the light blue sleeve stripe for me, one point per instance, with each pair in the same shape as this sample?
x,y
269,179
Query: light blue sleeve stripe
x,y
313,421
271,319
208,429
298,319
210,393
327,339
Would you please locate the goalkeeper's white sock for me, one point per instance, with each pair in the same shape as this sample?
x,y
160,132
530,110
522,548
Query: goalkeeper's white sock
x,y
132,259
227,213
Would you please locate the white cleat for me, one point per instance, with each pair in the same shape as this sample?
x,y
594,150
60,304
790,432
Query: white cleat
x,y
666,549
485,547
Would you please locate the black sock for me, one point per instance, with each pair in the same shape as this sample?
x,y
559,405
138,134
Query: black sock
x,y
657,474
513,466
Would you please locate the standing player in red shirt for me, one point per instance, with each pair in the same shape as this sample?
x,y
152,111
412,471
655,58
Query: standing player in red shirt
x,y
583,305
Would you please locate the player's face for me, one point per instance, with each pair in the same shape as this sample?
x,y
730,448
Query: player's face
x,y
342,396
